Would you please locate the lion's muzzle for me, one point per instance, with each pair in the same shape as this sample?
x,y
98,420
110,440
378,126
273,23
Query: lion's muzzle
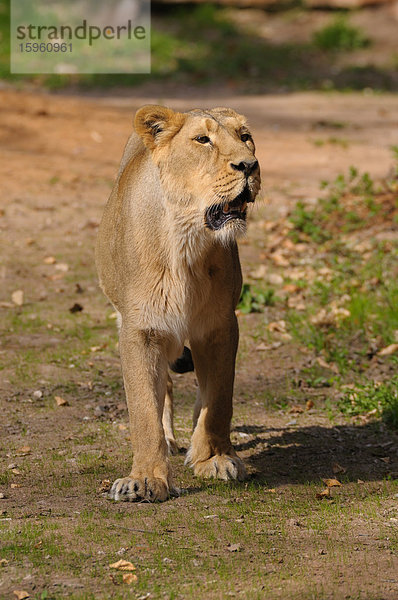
x,y
217,215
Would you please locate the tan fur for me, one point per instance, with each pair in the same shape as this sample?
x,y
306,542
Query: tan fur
x,y
173,279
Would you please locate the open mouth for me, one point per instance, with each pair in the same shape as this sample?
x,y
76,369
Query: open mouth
x,y
218,215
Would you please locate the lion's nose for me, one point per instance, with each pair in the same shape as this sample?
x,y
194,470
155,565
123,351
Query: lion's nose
x,y
246,166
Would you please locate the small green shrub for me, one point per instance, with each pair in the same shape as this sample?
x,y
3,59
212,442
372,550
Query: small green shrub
x,y
339,35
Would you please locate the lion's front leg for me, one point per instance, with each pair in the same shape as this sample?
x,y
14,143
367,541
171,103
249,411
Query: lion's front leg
x,y
144,368
211,453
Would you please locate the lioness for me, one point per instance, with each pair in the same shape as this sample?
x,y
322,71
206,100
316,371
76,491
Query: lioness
x,y
168,261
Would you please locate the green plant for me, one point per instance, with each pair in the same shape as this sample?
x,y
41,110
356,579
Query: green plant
x,y
307,221
378,399
253,298
339,35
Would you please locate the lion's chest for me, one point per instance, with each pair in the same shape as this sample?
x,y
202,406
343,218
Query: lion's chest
x,y
173,301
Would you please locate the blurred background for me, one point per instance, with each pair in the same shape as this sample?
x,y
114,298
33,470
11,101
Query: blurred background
x,y
256,46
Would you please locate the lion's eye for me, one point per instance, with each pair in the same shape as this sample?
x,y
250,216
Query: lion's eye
x,y
245,137
202,139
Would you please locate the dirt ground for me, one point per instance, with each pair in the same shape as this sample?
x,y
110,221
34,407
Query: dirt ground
x,y
271,538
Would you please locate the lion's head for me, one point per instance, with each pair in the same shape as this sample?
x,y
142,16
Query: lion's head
x,y
206,162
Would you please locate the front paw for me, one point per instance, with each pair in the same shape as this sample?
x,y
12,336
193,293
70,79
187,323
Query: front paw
x,y
138,489
221,466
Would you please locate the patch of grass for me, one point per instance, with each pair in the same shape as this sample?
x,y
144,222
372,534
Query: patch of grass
x,y
351,310
349,203
33,542
340,36
374,398
254,299
5,477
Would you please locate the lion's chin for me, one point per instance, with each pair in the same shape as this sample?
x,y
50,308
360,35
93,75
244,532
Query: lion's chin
x,y
231,231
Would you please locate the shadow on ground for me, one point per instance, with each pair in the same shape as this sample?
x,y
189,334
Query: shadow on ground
x,y
350,453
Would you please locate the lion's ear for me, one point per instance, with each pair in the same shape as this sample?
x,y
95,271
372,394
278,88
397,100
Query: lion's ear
x,y
156,124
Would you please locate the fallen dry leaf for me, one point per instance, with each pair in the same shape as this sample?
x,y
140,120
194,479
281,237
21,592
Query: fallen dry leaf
x,y
336,468
296,302
278,326
309,404
331,366
21,594
234,547
98,348
391,349
56,277
129,578
61,401
62,267
286,336
105,485
275,279
324,494
331,482
279,259
50,260
122,427
23,451
3,562
123,565
15,485
262,347
296,409
259,273
17,297
291,288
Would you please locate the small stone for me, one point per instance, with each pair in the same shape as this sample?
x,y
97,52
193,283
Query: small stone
x,y
17,297
62,267
37,394
2,496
